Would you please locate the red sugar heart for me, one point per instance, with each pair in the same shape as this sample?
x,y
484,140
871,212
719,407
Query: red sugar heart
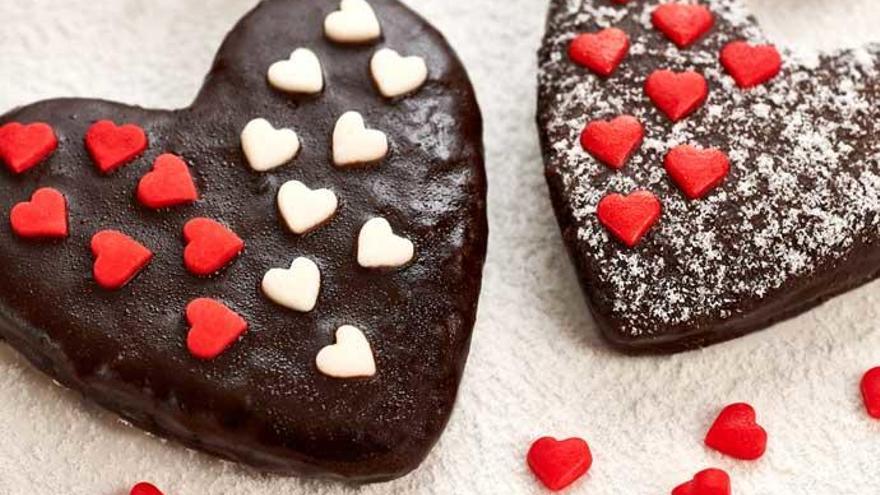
x,y
750,65
144,488
708,482
736,433
629,218
118,259
681,23
696,171
210,246
113,146
43,217
871,392
677,94
213,328
168,184
613,142
559,463
600,52
23,147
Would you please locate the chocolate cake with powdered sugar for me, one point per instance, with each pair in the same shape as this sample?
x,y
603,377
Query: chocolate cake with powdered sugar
x,y
792,220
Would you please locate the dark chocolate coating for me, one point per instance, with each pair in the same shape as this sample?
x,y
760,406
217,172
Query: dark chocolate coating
x,y
263,402
795,222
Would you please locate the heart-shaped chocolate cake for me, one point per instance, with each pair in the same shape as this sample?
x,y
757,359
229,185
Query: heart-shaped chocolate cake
x,y
707,184
284,274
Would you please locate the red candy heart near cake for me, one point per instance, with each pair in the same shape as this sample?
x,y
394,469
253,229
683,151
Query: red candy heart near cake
x,y
559,463
706,482
230,275
736,433
759,160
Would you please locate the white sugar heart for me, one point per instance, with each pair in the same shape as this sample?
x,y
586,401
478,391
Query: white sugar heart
x,y
350,357
395,75
302,73
354,22
379,247
296,288
304,209
266,147
354,144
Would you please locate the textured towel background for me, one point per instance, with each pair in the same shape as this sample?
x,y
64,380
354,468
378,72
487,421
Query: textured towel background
x,y
537,366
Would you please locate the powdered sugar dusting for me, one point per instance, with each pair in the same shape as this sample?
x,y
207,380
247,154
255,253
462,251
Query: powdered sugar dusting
x,y
804,184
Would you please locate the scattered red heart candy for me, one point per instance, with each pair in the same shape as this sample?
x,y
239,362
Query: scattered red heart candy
x,y
23,147
696,171
613,142
210,246
629,218
118,259
145,488
213,328
600,52
737,434
750,65
871,392
677,94
43,217
682,23
113,146
557,463
168,184
708,482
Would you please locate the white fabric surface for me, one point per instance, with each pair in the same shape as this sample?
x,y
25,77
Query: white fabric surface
x,y
537,366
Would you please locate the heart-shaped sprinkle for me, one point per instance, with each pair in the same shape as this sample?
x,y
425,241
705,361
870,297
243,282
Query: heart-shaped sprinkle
x,y
304,209
267,148
682,23
350,357
168,184
871,392
395,75
295,288
113,146
118,259
558,464
213,328
354,22
210,246
737,434
708,482
600,52
677,94
629,218
23,147
613,142
696,171
379,247
43,217
749,65
144,488
354,144
301,73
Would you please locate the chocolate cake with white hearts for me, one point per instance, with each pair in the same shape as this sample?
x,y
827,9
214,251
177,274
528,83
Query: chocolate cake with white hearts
x,y
716,199
284,274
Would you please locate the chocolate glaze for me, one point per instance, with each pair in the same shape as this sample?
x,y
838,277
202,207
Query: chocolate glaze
x,y
793,225
263,402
